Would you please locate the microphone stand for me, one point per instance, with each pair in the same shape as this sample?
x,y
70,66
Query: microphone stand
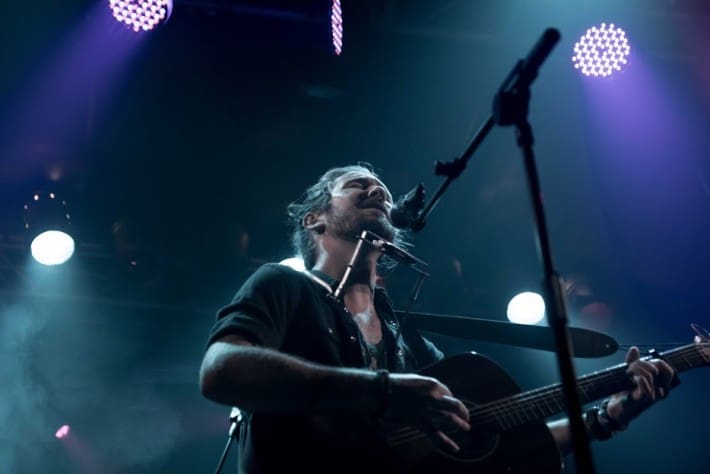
x,y
511,108
235,418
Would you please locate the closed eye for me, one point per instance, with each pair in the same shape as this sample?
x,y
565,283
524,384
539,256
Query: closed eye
x,y
357,183
364,183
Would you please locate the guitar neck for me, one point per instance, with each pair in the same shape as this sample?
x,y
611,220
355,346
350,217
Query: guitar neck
x,y
548,401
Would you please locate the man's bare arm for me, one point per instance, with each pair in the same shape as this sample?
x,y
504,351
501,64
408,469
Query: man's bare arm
x,y
257,379
236,372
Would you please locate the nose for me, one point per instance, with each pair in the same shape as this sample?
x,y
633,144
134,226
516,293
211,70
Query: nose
x,y
377,190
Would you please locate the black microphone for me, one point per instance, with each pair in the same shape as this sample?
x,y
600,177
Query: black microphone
x,y
406,209
539,54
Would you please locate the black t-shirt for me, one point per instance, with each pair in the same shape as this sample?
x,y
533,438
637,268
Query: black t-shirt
x,y
294,313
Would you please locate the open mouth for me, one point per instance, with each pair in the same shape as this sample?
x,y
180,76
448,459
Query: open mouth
x,y
374,205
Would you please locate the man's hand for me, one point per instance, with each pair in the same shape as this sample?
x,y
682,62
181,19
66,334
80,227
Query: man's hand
x,y
428,404
652,378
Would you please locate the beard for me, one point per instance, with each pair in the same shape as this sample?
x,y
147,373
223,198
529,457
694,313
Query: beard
x,y
349,226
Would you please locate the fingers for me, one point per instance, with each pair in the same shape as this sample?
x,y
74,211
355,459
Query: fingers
x,y
644,375
439,437
430,405
665,374
649,376
664,379
447,413
633,355
644,389
444,402
652,380
425,398
450,405
447,442
450,413
457,418
646,370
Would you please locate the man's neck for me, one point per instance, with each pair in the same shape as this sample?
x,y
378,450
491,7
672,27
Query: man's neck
x,y
334,256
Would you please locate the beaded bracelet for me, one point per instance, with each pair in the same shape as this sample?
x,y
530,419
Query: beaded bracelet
x,y
608,422
599,424
595,429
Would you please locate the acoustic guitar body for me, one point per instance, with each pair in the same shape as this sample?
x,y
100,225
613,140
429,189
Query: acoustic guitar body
x,y
474,379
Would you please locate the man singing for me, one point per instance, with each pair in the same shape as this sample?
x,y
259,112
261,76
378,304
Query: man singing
x,y
318,377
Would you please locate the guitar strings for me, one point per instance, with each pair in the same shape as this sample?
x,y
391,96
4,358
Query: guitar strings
x,y
488,412
482,413
587,382
408,433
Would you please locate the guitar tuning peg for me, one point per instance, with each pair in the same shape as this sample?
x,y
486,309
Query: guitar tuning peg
x,y
701,332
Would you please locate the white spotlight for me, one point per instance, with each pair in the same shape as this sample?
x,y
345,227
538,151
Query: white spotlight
x,y
47,224
526,308
52,247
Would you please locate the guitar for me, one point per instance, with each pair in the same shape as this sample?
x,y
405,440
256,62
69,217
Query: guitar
x,y
508,432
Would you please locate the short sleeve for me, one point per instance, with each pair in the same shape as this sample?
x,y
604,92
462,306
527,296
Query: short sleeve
x,y
263,308
424,351
430,353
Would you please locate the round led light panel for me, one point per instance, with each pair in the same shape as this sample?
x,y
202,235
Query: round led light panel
x,y
141,15
601,51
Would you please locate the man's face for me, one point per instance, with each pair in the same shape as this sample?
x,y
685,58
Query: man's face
x,y
359,201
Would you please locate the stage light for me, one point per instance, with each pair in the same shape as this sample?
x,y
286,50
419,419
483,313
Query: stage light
x,y
336,26
601,51
295,263
141,15
62,432
47,222
52,247
526,308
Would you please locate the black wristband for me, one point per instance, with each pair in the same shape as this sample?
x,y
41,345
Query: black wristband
x,y
384,390
595,429
609,423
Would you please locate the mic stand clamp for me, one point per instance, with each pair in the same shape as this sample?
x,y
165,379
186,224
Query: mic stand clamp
x,y
396,253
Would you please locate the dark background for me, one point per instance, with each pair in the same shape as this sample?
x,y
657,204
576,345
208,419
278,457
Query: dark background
x,y
179,149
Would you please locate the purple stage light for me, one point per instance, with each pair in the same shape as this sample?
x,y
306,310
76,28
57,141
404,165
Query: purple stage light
x,y
601,51
62,432
141,14
336,26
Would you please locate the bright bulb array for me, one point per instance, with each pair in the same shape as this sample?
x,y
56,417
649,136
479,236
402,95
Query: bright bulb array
x,y
336,26
141,14
601,51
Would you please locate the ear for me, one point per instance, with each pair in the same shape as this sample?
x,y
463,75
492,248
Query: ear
x,y
314,221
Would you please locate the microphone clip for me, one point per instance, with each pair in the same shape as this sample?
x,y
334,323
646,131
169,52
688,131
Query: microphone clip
x,y
397,254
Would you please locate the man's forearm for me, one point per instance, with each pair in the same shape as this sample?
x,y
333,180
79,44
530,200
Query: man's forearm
x,y
563,436
562,433
257,379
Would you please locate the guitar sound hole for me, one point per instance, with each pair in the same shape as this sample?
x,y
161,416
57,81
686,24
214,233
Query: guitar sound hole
x,y
475,444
